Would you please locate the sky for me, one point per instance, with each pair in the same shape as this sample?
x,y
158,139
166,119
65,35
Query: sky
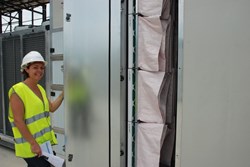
x,y
26,19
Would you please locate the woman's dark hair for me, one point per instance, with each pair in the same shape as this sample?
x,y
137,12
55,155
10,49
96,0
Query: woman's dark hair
x,y
26,75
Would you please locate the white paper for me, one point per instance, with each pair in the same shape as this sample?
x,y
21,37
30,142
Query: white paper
x,y
47,152
46,147
54,160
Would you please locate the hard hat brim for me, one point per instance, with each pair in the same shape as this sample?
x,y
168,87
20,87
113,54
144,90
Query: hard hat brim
x,y
23,66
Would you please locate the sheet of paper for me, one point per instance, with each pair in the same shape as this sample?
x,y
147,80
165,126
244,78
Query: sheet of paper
x,y
54,160
46,147
47,152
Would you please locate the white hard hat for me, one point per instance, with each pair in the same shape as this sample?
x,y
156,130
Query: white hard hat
x,y
32,56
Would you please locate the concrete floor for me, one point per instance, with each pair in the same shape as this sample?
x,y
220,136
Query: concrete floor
x,y
8,158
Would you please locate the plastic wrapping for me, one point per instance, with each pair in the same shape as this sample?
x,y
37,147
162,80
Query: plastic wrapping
x,y
150,8
148,89
155,83
149,144
149,43
165,45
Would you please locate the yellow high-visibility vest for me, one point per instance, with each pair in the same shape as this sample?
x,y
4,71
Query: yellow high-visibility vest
x,y
36,117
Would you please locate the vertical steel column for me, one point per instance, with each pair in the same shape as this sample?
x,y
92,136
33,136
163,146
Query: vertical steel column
x,y
132,81
32,16
10,23
115,82
124,82
44,12
179,83
1,24
2,81
20,17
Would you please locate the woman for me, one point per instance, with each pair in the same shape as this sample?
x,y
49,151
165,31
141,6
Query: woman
x,y
29,112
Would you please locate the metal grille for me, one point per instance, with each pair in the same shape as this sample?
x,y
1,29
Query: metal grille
x,y
11,70
1,99
35,42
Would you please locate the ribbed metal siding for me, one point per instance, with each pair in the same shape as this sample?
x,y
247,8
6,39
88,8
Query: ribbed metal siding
x,y
1,115
1,98
35,42
11,70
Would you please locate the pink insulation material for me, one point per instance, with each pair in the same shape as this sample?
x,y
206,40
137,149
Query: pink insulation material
x,y
150,36
148,144
148,89
150,7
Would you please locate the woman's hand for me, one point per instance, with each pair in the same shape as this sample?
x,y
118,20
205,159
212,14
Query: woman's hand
x,y
35,148
56,103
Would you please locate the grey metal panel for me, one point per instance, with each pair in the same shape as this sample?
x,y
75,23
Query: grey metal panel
x,y
55,80
35,41
86,53
179,84
11,71
123,89
1,90
57,41
56,10
132,82
215,117
115,84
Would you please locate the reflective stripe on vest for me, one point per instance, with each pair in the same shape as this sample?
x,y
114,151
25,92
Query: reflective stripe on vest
x,y
32,119
36,135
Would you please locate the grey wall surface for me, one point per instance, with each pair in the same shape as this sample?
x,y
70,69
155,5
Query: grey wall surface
x,y
215,96
92,82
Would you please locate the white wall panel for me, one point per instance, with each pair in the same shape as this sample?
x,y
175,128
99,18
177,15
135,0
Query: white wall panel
x,y
86,47
215,109
57,13
92,82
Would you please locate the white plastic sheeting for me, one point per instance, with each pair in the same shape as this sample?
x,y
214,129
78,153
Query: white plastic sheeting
x,y
156,79
148,144
150,36
150,8
148,89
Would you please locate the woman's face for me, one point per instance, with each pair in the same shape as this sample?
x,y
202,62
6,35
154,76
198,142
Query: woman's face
x,y
36,70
